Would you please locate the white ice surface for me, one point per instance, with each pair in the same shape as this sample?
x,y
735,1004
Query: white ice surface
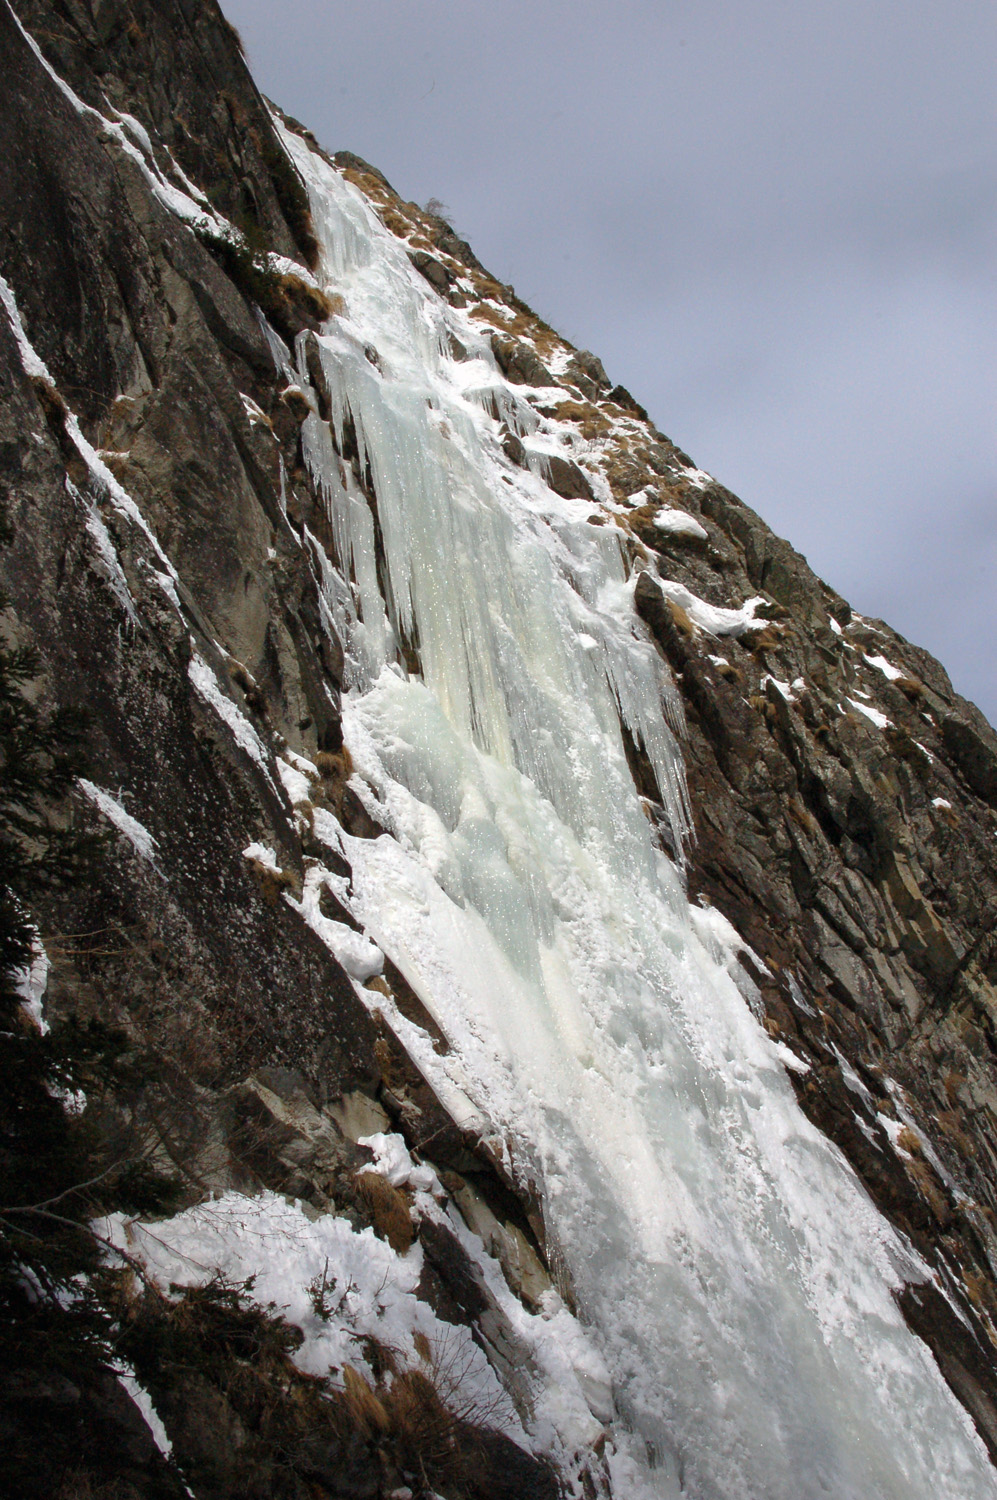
x,y
361,958
738,1278
143,1401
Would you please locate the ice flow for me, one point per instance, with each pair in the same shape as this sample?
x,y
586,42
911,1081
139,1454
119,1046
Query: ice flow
x,y
735,1274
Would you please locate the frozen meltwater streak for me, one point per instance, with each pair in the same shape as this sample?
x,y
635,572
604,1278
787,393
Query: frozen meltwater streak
x,y
739,1279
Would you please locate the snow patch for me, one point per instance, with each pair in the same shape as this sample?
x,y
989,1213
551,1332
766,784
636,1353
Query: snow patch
x,y
879,719
710,617
698,478
139,837
882,665
680,523
206,684
143,1401
361,958
338,1285
31,982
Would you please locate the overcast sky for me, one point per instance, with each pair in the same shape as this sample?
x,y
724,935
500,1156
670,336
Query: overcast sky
x,y
774,221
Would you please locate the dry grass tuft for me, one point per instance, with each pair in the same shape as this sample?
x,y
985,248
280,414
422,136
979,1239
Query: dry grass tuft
x,y
334,765
802,817
727,670
50,399
387,1209
758,641
302,294
366,1411
950,1121
424,1430
392,219
930,1189
681,619
516,323
591,423
953,1083
297,403
423,1347
272,883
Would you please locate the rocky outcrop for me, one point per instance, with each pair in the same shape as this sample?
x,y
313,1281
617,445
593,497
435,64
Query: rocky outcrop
x,y
842,825
166,563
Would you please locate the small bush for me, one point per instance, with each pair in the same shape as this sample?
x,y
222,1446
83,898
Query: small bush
x,y
426,1433
288,301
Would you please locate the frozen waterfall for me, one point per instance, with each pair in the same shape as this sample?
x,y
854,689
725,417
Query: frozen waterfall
x,y
736,1276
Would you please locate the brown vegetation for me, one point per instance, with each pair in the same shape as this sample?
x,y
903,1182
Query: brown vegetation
x,y
387,1209
272,883
681,619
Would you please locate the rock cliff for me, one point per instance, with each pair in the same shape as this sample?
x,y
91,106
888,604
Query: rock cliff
x,y
174,561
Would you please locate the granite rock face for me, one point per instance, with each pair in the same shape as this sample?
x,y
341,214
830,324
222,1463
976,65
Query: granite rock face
x,y
844,797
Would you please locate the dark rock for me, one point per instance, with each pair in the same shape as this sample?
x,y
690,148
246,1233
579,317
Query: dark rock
x,y
451,244
585,371
447,1257
664,458
620,396
350,160
566,478
513,449
519,362
432,269
965,1364
356,819
654,610
973,747
502,1471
